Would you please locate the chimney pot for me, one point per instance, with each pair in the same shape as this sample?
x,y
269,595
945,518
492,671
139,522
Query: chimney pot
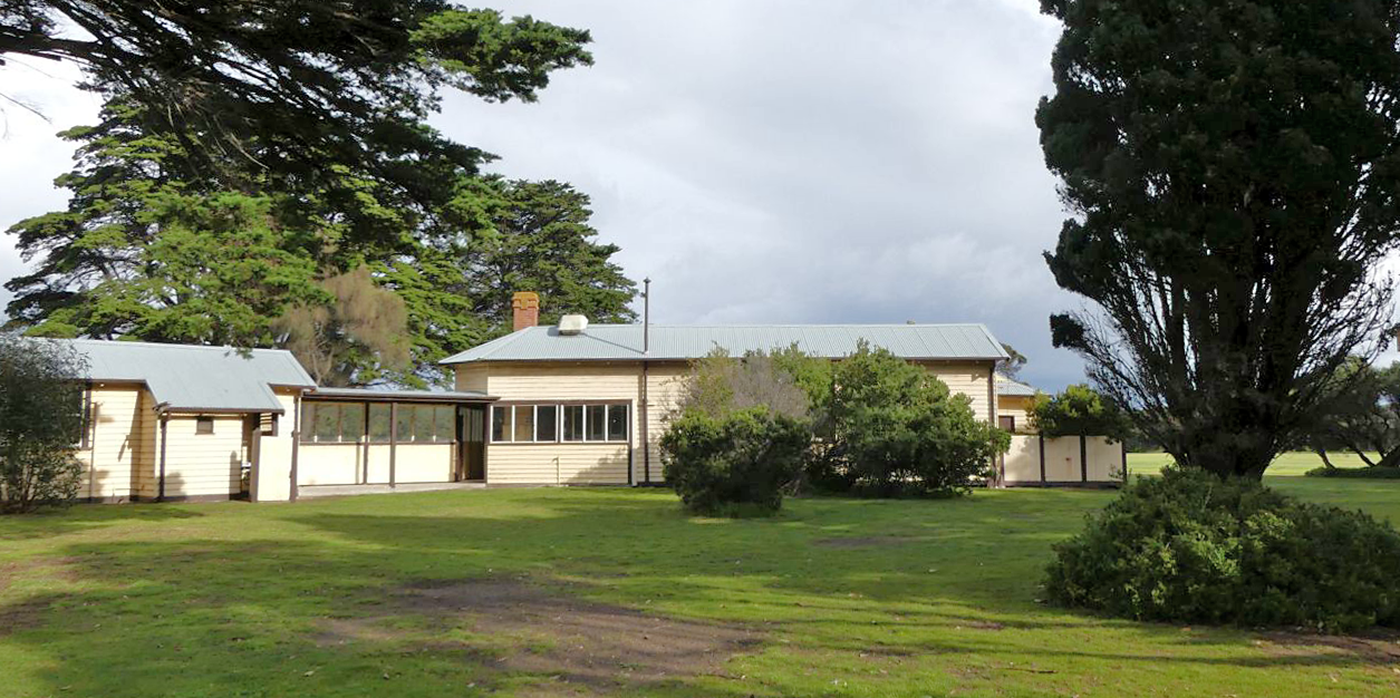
x,y
526,305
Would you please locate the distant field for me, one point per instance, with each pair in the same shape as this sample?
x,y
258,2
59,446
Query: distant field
x,y
1287,465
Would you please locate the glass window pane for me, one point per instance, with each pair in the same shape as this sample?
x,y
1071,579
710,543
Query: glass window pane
x,y
617,422
327,427
499,419
308,421
403,423
524,422
546,423
573,422
597,421
444,423
352,422
378,422
423,423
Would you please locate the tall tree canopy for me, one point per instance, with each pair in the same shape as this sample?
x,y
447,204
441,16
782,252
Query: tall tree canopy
x,y
542,241
299,91
1233,170
148,249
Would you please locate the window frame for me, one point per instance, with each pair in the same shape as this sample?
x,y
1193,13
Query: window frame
x,y
507,410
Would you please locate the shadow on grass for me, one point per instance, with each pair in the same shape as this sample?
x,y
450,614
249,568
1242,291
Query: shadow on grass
x,y
56,521
207,613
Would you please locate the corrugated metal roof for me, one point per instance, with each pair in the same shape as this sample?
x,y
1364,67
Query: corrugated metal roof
x,y
1006,386
672,342
400,395
193,378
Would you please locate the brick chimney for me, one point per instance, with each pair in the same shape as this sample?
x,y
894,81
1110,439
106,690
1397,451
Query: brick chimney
x,y
526,305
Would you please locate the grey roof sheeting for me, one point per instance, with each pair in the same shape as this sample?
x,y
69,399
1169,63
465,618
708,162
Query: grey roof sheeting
x,y
188,378
675,342
1006,386
371,394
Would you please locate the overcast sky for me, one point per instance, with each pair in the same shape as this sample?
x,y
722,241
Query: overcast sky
x,y
763,162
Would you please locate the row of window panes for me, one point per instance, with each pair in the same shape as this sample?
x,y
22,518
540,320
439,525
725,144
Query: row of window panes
x,y
351,422
537,423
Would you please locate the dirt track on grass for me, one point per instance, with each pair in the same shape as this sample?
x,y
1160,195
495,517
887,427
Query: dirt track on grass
x,y
577,647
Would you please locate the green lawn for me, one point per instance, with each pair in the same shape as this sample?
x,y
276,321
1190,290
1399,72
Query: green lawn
x,y
1288,464
611,592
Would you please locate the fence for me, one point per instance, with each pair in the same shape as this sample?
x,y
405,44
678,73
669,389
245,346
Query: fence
x,y
1037,461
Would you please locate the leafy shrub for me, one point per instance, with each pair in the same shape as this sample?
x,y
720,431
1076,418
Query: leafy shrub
x,y
41,422
1189,546
892,427
1371,473
1078,410
720,383
734,463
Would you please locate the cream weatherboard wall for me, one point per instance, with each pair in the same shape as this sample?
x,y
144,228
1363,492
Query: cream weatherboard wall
x,y
608,463
1018,408
120,443
272,475
202,465
125,444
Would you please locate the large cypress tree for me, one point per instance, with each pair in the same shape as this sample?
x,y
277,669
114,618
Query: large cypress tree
x,y
1233,168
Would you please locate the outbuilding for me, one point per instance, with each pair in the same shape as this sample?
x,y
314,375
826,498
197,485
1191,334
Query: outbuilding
x,y
181,422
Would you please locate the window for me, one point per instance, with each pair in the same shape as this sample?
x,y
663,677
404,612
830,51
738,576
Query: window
x,y
203,425
524,428
570,423
617,422
1007,422
595,422
417,424
445,423
500,418
546,423
83,439
332,422
573,422
379,422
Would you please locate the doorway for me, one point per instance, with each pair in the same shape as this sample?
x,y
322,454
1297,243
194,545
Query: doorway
x,y
471,442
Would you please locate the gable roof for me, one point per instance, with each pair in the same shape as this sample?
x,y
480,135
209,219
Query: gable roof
x,y
681,342
188,378
1006,386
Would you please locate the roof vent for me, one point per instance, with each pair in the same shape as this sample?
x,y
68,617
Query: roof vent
x,y
573,324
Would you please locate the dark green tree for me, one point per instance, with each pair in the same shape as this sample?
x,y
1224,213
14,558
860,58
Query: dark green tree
x,y
1362,415
147,249
301,92
892,427
41,423
542,240
1232,170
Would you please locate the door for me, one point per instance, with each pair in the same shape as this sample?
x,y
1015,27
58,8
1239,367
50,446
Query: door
x,y
471,442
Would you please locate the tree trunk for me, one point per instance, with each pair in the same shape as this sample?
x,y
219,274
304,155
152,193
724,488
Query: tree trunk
x,y
1389,460
1322,453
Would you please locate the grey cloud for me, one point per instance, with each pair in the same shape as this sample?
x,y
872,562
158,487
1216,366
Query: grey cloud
x,y
775,161
801,162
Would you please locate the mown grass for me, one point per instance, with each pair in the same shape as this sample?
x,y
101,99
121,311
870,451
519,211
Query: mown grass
x,y
935,598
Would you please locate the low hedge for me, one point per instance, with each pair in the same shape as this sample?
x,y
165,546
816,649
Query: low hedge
x,y
1369,473
1189,547
736,464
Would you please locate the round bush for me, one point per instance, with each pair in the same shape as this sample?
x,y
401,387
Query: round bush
x,y
736,463
1190,547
